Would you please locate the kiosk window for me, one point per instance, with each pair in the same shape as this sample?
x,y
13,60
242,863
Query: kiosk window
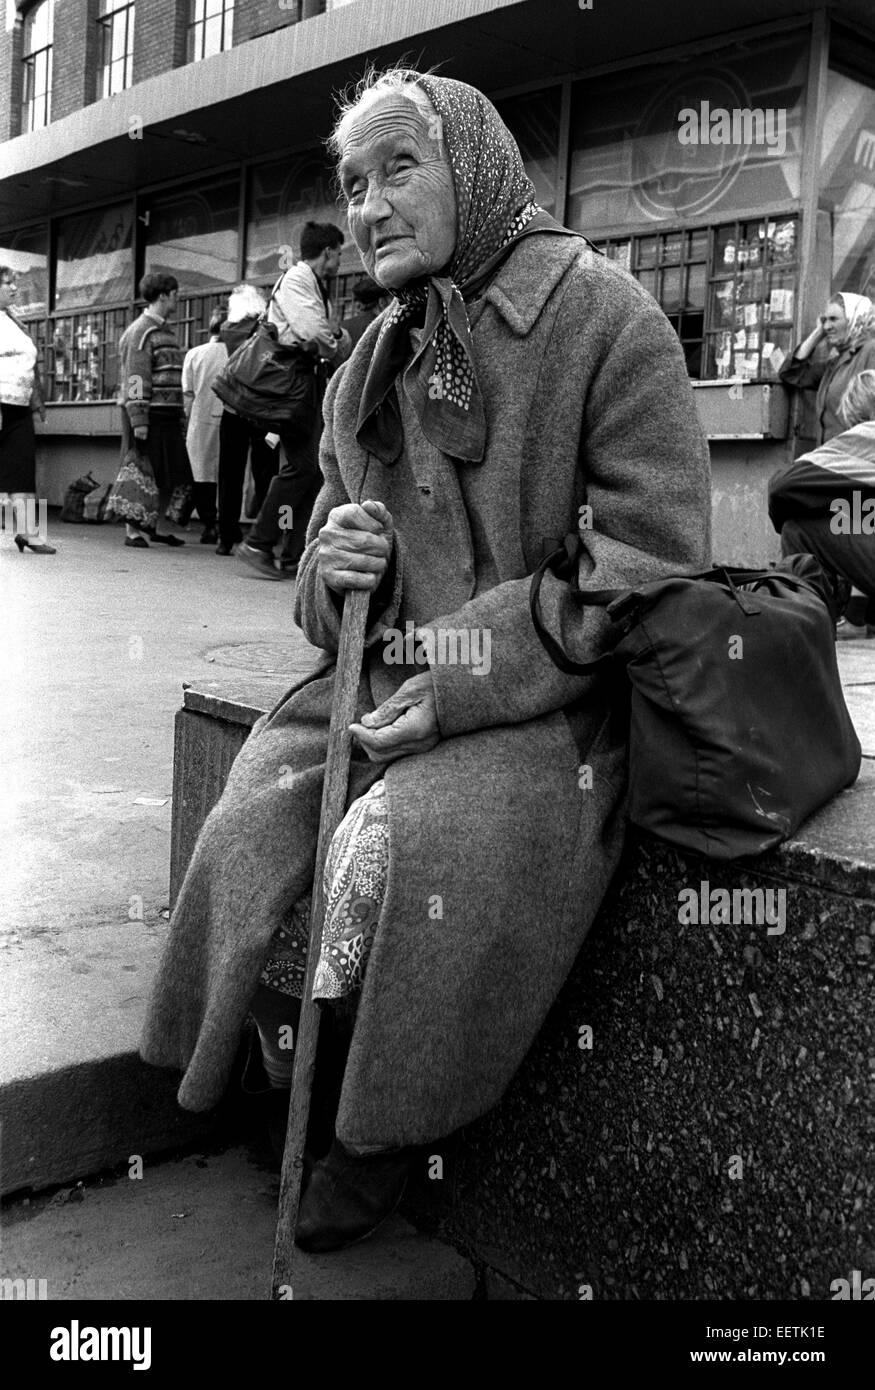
x,y
728,291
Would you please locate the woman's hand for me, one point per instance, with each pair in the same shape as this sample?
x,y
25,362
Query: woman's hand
x,y
355,546
404,724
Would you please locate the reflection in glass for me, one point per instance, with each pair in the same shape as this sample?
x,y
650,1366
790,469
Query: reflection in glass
x,y
192,234
283,196
25,253
629,165
847,182
533,120
95,258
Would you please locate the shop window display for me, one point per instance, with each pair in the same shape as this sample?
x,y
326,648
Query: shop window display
x,y
729,292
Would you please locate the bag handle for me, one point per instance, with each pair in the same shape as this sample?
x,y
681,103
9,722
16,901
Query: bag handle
x,y
565,559
562,563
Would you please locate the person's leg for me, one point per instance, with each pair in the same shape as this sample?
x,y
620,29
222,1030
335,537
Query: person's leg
x,y
276,1017
294,536
264,462
293,483
132,532
205,503
169,465
233,443
350,1195
850,557
19,457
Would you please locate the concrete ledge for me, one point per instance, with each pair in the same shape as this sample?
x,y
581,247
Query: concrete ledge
x,y
121,1107
714,1139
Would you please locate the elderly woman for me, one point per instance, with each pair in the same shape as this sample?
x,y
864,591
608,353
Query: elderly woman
x,y
515,377
847,328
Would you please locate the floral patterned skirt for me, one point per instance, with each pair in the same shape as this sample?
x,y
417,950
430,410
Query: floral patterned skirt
x,y
355,884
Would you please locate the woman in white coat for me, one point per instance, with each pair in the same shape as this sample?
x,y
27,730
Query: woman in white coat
x,y
203,411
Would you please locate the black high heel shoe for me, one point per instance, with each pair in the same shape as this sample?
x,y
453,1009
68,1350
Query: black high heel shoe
x,y
38,549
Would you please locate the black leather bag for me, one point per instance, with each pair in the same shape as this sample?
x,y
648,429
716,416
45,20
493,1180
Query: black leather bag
x,y
739,729
270,384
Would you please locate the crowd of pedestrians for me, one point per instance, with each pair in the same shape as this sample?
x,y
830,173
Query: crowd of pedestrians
x,y
177,432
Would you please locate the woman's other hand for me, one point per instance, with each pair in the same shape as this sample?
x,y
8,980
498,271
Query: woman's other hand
x,y
355,546
404,724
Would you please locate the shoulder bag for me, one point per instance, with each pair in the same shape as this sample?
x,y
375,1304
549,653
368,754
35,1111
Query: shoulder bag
x,y
267,383
739,729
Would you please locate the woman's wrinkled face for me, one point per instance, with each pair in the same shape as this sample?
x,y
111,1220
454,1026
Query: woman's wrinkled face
x,y
401,201
835,324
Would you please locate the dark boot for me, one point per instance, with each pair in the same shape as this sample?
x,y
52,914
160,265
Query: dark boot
x,y
349,1197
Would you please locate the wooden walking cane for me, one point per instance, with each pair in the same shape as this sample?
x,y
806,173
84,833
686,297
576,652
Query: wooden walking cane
x,y
334,792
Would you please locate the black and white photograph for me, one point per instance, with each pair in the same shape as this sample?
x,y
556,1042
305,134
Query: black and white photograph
x,y
443,869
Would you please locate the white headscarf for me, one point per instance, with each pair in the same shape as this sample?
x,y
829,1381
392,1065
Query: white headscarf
x,y
857,309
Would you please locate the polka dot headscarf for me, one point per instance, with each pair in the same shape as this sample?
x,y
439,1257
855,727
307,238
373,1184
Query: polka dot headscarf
x,y
495,207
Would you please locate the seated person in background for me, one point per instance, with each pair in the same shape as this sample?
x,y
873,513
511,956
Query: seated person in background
x,y
819,506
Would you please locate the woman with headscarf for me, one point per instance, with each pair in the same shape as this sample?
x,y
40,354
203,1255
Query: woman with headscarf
x,y
20,395
517,380
847,328
824,505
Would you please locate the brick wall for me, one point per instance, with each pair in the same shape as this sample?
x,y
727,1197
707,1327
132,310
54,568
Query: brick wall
x,y
160,30
75,56
10,81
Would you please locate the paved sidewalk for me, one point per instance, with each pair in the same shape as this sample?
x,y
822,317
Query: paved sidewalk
x,y
203,1227
97,641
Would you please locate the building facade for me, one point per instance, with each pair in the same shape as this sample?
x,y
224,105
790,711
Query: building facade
x,y
726,160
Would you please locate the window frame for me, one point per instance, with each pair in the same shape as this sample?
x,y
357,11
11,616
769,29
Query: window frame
x,y
741,276
111,11
196,29
31,65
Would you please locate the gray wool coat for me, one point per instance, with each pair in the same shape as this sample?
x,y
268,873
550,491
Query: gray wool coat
x,y
499,857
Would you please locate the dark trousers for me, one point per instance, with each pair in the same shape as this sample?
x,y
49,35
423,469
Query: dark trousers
x,y
285,513
205,503
851,556
236,437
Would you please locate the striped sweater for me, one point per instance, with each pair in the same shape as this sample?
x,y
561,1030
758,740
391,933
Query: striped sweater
x,y
150,369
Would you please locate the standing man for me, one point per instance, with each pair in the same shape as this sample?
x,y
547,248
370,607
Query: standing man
x,y
303,316
150,376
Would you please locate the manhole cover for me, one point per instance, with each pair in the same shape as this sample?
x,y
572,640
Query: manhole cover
x,y
274,658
